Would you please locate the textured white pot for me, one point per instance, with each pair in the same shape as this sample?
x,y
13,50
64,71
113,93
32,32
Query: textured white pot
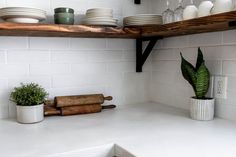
x,y
202,109
30,114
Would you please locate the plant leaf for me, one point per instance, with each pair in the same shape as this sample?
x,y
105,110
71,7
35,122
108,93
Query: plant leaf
x,y
200,59
203,79
188,72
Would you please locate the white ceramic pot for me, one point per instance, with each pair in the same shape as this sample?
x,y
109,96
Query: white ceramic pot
x,y
190,12
204,8
202,109
221,6
30,114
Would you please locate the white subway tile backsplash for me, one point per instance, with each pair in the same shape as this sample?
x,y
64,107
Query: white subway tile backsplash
x,y
42,80
119,67
13,43
48,43
87,44
175,42
69,57
49,69
229,68
229,37
3,83
117,44
205,39
166,66
88,68
215,67
129,55
28,56
164,54
74,81
105,56
2,57
14,70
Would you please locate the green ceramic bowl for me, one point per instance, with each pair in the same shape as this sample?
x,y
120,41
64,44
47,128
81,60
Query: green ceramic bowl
x,y
64,10
64,15
65,21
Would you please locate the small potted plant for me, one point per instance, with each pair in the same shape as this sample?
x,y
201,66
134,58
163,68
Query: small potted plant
x,y
29,100
201,107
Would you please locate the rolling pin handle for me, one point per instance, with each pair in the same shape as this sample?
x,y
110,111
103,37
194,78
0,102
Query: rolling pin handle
x,y
108,98
109,107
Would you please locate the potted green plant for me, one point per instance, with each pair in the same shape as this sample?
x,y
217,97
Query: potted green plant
x,y
201,107
29,100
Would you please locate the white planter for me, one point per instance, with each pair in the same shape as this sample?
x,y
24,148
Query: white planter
x,y
202,109
30,114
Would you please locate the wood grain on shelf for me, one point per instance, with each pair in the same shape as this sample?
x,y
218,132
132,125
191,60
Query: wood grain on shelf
x,y
53,30
213,23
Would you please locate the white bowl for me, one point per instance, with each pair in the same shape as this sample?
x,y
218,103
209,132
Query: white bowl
x,y
204,8
190,12
221,6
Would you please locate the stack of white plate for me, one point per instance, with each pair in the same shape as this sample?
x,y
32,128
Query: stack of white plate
x,y
22,14
143,19
100,17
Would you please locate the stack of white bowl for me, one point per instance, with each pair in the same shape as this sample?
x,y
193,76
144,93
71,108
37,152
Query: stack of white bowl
x,y
22,14
100,17
143,19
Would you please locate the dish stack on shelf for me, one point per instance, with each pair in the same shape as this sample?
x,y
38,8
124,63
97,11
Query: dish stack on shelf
x,y
143,19
22,14
100,17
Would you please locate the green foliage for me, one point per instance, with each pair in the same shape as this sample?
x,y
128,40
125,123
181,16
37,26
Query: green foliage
x,y
198,77
28,95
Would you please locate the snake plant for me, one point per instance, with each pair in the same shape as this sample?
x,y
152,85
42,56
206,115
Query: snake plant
x,y
198,76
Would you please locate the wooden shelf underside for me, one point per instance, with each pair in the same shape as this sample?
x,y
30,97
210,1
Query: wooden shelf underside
x,y
219,22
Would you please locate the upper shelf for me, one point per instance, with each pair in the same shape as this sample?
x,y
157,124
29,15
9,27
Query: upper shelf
x,y
212,23
54,30
219,22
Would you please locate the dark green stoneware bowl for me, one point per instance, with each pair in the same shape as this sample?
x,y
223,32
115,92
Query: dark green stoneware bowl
x,y
64,10
65,21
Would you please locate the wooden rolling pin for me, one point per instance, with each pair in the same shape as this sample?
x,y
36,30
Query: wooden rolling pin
x,y
64,101
75,110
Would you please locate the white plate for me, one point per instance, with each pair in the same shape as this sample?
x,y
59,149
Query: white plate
x,y
23,9
108,10
100,19
100,23
22,20
22,16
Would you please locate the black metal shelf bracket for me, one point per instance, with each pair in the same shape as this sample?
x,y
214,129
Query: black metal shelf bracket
x,y
141,56
137,1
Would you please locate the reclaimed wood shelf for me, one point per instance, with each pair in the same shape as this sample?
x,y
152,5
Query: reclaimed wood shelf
x,y
212,23
54,30
151,33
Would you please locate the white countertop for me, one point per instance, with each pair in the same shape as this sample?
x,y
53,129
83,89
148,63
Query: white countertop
x,y
146,130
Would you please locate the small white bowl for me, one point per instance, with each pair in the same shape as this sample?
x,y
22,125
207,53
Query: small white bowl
x,y
221,6
204,8
190,12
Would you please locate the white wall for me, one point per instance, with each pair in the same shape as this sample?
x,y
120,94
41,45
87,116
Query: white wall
x,y
80,66
66,66
168,85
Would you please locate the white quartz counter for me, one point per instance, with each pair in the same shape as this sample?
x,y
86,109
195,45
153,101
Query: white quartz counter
x,y
146,130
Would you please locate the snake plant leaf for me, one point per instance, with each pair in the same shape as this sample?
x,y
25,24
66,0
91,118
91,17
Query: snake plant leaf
x,y
188,72
203,79
200,59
